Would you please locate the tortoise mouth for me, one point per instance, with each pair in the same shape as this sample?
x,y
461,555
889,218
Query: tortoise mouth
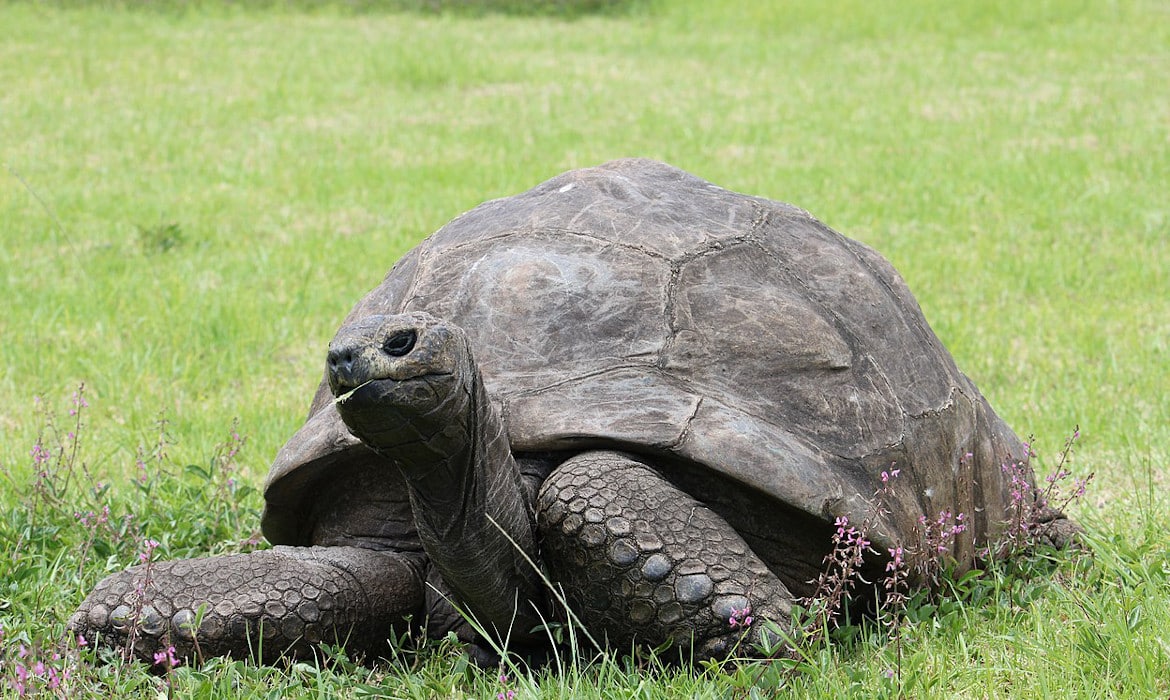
x,y
402,392
387,413
371,398
345,391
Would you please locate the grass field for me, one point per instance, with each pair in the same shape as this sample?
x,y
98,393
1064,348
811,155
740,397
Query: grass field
x,y
194,194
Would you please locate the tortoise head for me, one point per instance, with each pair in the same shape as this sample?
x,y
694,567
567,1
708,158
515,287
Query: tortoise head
x,y
403,385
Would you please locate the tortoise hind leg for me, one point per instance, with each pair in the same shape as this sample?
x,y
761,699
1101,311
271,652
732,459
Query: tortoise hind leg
x,y
640,560
264,604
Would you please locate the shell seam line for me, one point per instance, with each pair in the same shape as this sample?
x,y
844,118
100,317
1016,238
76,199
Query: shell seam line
x,y
554,229
686,429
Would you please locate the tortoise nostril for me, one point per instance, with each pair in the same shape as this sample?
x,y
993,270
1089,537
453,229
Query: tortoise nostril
x,y
340,360
400,343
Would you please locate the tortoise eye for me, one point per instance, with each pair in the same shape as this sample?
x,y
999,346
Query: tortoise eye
x,y
399,343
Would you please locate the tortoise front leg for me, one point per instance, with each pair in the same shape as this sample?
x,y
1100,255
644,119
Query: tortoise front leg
x,y
265,604
641,561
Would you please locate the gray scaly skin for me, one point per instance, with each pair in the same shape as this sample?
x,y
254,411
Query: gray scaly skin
x,y
645,562
263,605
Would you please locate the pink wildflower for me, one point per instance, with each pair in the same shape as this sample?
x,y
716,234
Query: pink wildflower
x,y
740,617
150,546
166,657
897,558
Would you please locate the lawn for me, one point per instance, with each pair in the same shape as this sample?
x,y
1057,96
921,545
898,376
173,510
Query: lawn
x,y
194,194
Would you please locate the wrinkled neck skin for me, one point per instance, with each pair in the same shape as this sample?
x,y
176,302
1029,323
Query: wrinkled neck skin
x,y
469,506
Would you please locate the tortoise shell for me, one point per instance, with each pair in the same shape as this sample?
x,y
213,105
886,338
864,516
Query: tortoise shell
x,y
635,306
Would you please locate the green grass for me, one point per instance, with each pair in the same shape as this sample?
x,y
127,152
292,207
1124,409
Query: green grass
x,y
192,197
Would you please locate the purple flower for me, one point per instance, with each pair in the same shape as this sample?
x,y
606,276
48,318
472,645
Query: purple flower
x,y
896,559
39,454
166,657
740,617
145,555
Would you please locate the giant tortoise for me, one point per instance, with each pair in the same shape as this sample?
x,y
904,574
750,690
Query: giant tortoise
x,y
626,390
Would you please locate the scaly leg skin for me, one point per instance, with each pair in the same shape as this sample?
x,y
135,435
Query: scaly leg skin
x,y
261,605
641,561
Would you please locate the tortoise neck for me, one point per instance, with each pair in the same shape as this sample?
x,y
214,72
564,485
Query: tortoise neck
x,y
474,467
476,522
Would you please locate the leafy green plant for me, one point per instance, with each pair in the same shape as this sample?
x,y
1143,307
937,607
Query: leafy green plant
x,y
160,238
66,527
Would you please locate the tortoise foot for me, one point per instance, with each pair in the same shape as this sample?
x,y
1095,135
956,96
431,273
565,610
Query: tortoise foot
x,y
261,605
644,562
